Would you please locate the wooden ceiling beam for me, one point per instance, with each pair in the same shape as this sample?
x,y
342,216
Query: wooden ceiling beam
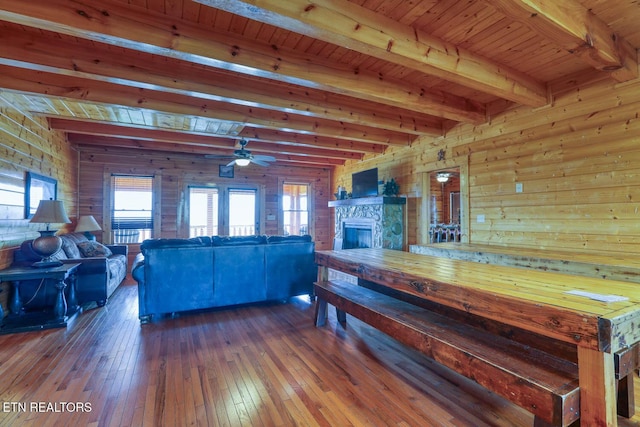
x,y
344,23
94,62
74,86
77,127
579,31
140,29
74,125
104,141
300,139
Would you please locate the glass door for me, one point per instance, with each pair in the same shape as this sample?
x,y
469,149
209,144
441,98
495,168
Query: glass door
x,y
243,212
203,211
222,211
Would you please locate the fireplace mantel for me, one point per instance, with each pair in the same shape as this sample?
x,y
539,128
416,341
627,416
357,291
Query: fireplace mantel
x,y
361,201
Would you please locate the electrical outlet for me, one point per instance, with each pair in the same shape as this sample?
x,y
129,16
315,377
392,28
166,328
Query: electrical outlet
x,y
518,187
480,218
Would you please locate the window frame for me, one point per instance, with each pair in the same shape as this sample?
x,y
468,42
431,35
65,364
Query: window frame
x,y
223,204
109,194
310,204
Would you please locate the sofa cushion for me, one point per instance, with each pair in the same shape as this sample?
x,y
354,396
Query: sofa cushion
x,y
289,239
238,240
171,243
93,249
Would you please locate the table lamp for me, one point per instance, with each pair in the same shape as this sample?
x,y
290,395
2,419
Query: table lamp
x,y
88,223
48,212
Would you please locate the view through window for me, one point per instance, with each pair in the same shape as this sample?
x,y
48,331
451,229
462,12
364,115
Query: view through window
x,y
203,211
220,211
295,207
242,212
132,213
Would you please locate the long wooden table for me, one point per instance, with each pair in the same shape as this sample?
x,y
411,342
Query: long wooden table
x,y
535,301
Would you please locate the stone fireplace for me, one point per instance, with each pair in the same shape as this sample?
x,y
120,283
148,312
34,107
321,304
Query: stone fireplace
x,y
357,233
376,222
368,222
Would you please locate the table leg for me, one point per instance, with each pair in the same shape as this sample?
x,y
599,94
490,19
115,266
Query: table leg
x,y
597,388
321,305
72,299
321,312
323,273
15,306
60,307
626,399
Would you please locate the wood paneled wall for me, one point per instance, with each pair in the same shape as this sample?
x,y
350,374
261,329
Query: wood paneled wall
x,y
578,160
27,144
178,171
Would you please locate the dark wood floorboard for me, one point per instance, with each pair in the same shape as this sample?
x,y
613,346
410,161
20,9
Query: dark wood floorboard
x,y
264,365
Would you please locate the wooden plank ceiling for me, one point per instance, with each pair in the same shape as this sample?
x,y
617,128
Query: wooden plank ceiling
x,y
311,82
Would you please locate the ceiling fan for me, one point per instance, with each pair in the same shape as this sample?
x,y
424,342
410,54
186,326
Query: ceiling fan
x,y
243,157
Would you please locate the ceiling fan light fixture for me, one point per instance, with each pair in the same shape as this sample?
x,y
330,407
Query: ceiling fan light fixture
x,y
442,177
242,162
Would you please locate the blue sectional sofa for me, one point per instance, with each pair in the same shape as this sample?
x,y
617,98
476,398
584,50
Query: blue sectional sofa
x,y
176,275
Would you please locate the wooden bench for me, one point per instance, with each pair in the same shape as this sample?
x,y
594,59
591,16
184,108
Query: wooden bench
x,y
626,361
542,383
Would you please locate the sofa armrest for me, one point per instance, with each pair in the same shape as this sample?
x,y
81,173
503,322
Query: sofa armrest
x,y
119,249
137,269
91,265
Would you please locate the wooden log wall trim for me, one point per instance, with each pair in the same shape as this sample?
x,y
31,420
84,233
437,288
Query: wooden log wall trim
x,y
577,160
27,144
178,171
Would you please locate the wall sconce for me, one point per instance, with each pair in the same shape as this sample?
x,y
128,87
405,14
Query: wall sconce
x,y
442,177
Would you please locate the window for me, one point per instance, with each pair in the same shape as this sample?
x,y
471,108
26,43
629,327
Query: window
x,y
132,208
295,207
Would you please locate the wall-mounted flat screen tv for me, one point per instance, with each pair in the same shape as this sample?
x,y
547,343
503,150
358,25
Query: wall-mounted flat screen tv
x,y
365,183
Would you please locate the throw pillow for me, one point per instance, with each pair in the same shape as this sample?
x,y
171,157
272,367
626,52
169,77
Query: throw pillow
x,y
92,249
70,248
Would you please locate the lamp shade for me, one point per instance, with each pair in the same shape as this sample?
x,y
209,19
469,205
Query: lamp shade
x,y
50,212
87,223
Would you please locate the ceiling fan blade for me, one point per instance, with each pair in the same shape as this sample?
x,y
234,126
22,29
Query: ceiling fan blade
x,y
217,156
264,158
259,162
232,162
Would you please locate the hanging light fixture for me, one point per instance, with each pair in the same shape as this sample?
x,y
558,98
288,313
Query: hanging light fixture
x,y
242,162
442,177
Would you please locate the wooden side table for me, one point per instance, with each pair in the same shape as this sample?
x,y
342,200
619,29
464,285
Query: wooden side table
x,y
63,310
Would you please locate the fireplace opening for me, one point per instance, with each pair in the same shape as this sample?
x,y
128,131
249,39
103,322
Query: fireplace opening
x,y
357,234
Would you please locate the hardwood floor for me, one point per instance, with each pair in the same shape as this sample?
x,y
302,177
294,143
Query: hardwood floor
x,y
263,365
